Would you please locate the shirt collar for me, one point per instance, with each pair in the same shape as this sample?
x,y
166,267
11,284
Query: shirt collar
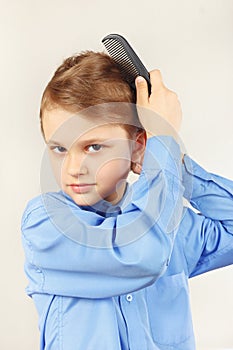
x,y
103,207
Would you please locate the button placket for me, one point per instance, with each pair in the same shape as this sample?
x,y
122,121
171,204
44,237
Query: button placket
x,y
131,313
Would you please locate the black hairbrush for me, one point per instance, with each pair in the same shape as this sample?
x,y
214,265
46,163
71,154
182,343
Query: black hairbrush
x,y
128,61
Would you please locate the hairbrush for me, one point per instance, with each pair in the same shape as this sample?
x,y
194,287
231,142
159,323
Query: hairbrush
x,y
126,58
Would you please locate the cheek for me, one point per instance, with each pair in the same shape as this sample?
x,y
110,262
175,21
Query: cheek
x,y
114,169
56,164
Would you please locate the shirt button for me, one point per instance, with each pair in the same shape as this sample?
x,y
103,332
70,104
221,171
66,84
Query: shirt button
x,y
129,297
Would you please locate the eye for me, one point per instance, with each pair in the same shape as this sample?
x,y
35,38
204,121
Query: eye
x,y
94,148
58,149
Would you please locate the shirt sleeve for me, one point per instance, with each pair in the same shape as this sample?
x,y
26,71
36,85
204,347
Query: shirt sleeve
x,y
208,234
78,253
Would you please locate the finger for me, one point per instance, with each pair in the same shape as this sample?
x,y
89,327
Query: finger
x,y
156,80
141,91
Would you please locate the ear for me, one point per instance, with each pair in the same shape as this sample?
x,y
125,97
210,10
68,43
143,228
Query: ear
x,y
139,147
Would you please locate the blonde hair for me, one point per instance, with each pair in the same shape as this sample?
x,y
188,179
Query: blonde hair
x,y
89,79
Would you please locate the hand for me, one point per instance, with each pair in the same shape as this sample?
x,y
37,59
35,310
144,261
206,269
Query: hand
x,y
162,101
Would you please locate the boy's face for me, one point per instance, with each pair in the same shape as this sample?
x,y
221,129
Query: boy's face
x,y
90,161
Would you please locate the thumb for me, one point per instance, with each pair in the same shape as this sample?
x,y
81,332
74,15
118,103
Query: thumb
x,y
142,95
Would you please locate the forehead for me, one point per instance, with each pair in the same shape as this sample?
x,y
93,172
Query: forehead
x,y
66,127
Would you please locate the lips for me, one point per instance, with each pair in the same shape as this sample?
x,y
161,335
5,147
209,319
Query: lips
x,y
81,188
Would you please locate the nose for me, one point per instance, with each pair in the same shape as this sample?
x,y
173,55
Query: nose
x,y
75,165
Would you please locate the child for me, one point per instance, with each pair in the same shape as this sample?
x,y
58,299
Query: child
x,y
107,262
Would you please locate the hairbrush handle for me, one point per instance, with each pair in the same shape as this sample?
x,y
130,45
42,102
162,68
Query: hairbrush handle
x,y
126,58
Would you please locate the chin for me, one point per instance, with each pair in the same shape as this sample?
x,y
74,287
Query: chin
x,y
81,200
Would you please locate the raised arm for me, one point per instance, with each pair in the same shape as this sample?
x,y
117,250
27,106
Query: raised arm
x,y
208,235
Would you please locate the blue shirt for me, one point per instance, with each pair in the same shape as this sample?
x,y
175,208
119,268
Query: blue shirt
x,y
116,276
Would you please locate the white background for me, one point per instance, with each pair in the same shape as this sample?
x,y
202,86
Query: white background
x,y
190,41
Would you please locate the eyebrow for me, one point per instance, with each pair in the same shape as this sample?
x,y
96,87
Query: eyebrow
x,y
54,142
91,141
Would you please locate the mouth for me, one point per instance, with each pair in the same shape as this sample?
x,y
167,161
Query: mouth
x,y
81,188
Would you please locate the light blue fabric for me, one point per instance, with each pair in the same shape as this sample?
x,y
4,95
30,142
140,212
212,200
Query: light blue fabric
x,y
116,277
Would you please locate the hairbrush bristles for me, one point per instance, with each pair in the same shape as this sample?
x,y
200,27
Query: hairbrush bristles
x,y
128,61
